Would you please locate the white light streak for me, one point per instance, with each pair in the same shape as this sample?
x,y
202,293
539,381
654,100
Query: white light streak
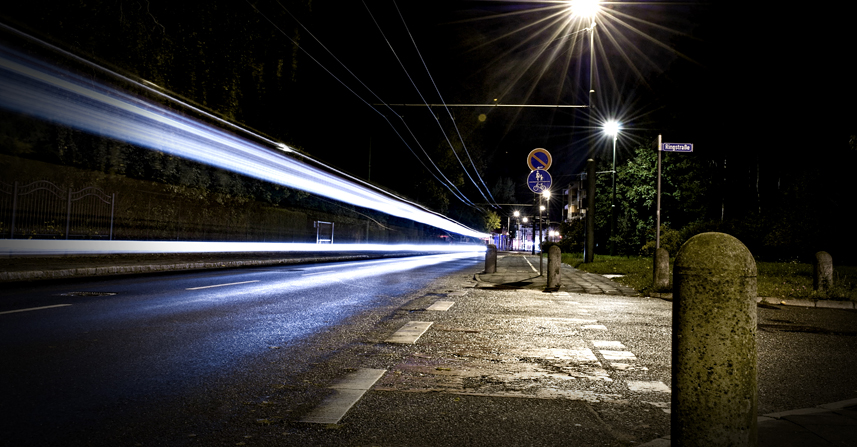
x,y
33,308
222,285
17,247
36,88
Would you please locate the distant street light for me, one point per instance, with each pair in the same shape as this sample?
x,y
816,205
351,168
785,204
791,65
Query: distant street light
x,y
612,128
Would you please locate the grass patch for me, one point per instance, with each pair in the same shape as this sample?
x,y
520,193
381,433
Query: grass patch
x,y
786,280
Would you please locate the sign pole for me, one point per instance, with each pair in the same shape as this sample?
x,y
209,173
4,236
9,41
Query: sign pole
x,y
658,212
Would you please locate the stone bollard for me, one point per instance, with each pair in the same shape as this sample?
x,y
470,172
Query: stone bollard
x,y
822,271
714,343
661,268
554,267
491,259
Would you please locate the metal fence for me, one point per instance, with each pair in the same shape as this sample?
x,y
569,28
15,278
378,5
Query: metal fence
x,y
43,210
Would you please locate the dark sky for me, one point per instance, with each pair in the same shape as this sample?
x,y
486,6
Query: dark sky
x,y
476,52
763,82
760,81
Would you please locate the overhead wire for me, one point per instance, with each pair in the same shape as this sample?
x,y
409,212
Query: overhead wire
x,y
457,131
464,168
446,182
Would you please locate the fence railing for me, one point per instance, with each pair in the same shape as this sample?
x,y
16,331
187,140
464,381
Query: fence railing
x,y
43,210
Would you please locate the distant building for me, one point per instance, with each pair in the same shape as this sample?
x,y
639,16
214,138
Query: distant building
x,y
576,195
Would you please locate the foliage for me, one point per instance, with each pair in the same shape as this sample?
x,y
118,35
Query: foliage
x,y
786,280
492,221
573,236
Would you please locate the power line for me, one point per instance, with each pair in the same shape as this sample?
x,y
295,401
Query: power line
x,y
423,98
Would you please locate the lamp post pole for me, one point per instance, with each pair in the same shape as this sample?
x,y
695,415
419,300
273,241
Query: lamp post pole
x,y
613,202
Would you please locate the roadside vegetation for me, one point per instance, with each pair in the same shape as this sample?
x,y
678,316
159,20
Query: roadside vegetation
x,y
786,280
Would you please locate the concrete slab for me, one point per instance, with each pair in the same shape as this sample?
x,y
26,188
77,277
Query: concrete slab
x,y
410,332
441,306
346,392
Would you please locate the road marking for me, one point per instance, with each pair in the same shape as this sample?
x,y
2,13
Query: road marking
x,y
33,308
531,265
608,344
319,273
221,285
618,355
441,305
648,386
346,392
410,332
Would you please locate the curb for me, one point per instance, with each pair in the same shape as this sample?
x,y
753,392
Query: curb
x,y
82,272
826,408
821,304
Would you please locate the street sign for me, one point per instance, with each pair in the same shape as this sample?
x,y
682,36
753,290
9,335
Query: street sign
x,y
677,147
539,180
539,159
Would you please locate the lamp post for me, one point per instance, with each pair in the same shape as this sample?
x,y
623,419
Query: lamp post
x,y
524,220
611,128
517,214
589,9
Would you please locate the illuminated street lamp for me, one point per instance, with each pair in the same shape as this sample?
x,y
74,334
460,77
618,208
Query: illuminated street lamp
x,y
611,128
589,9
517,215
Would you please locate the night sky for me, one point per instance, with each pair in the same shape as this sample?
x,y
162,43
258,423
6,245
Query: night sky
x,y
763,83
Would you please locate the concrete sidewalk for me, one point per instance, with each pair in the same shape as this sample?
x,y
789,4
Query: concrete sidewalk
x,y
519,270
833,424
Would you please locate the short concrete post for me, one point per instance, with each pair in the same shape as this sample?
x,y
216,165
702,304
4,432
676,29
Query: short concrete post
x,y
714,343
491,259
661,268
554,267
822,271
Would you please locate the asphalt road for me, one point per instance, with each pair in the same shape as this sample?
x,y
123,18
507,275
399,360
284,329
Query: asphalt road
x,y
238,357
118,357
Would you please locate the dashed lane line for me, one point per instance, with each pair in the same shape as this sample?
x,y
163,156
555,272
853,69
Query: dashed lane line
x,y
346,393
531,264
222,285
33,308
441,306
410,332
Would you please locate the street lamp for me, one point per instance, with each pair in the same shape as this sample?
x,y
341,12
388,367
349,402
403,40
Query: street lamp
x,y
517,215
611,128
589,10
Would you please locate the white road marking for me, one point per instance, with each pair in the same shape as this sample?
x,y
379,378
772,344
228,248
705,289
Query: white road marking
x,y
531,265
410,332
346,392
618,355
319,273
221,285
608,344
627,367
33,308
648,386
441,305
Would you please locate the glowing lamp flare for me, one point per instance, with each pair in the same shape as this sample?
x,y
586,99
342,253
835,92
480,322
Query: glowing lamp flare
x,y
585,8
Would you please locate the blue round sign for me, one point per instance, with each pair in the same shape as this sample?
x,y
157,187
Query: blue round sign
x,y
539,180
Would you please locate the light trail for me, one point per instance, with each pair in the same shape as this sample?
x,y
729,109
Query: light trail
x,y
36,88
45,247
33,308
222,285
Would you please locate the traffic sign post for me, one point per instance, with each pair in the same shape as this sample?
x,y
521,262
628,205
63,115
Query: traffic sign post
x,y
665,147
539,159
677,147
539,180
